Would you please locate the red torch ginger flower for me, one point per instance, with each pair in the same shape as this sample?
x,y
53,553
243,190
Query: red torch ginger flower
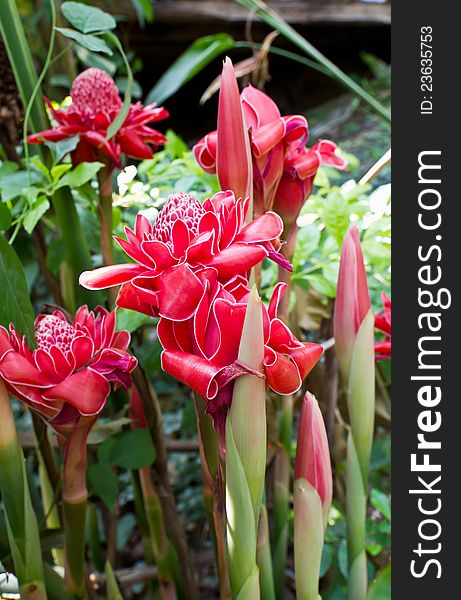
x,y
202,352
186,237
270,135
383,322
299,171
95,105
68,374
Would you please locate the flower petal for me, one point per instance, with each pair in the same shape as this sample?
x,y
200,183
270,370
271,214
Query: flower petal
x,y
106,277
85,390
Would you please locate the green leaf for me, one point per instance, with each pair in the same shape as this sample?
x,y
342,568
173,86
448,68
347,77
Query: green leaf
x,y
120,118
15,184
192,61
90,42
82,173
87,19
380,589
64,147
131,320
34,215
103,482
15,304
381,502
113,591
144,11
90,59
5,217
58,171
129,449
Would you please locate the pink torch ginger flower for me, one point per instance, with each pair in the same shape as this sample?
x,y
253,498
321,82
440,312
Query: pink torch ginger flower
x,y
186,237
95,105
299,171
202,352
68,374
313,454
383,322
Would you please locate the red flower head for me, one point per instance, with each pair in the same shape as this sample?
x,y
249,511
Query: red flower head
x,y
95,105
300,167
186,237
68,374
270,136
202,352
383,322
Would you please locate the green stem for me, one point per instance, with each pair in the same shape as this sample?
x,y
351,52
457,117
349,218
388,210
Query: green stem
x,y
75,506
94,535
212,492
281,512
160,544
22,527
263,557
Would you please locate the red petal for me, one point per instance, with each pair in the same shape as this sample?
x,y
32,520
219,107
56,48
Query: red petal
x,y
14,368
106,277
306,357
281,372
85,390
82,349
263,229
128,297
196,372
237,259
134,146
180,292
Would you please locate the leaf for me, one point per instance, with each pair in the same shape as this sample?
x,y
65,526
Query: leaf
x,y
90,59
381,502
131,320
15,304
87,18
113,591
64,147
82,173
5,217
14,185
33,216
144,11
90,42
122,115
192,61
103,482
380,589
58,171
129,449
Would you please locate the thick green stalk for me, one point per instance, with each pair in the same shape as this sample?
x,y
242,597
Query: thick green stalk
x,y
308,539
22,527
212,492
361,403
94,537
159,540
281,524
264,558
77,253
50,507
75,497
246,440
272,18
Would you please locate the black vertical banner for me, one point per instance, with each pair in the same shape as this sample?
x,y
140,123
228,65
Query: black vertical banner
x,y
426,176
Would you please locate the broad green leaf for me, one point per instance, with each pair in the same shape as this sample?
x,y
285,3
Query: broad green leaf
x,y
14,185
87,19
192,61
91,59
381,502
34,215
131,449
380,589
82,173
15,304
103,482
91,42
